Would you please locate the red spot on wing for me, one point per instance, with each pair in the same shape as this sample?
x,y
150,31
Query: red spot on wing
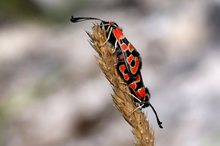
x,y
134,69
124,47
130,58
130,47
141,92
138,79
126,77
122,69
133,86
118,33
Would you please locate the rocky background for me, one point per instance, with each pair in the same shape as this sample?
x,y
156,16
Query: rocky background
x,y
52,93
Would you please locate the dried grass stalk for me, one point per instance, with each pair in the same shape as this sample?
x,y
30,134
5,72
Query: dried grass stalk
x,y
107,59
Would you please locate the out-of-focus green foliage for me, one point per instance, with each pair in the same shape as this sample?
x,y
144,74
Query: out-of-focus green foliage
x,y
18,8
28,9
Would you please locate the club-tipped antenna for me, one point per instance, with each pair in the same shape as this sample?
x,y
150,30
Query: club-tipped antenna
x,y
158,120
79,19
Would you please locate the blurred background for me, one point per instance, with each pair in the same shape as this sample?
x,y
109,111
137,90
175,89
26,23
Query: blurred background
x,y
52,92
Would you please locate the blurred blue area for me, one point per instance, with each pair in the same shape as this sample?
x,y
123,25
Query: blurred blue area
x,y
53,93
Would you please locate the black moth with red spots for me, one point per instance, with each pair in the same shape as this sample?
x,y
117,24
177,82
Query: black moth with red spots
x,y
128,62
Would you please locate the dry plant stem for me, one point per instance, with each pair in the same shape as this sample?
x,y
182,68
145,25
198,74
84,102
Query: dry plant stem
x,y
107,60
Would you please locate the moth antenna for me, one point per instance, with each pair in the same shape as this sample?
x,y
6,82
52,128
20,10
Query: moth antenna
x,y
79,19
158,120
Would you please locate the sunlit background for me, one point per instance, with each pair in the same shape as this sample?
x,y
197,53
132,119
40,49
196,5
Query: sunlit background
x,y
52,92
